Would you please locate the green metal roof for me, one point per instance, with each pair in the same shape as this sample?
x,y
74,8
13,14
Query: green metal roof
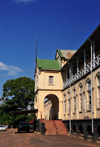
x,y
48,64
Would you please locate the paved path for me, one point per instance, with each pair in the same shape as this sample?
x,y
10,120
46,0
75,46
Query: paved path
x,y
9,139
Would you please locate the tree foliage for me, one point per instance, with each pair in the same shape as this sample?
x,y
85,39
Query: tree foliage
x,y
17,93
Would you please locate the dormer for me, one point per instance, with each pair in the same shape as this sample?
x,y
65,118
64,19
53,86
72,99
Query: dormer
x,y
63,56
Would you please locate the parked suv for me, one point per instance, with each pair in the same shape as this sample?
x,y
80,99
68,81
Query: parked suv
x,y
2,128
23,126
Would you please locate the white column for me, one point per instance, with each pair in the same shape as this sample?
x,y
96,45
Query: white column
x,y
60,109
91,91
94,53
93,49
66,74
84,61
71,69
77,66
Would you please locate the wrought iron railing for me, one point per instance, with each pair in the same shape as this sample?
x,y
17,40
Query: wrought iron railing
x,y
82,72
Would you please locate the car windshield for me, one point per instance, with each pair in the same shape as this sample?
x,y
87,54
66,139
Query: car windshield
x,y
25,123
2,126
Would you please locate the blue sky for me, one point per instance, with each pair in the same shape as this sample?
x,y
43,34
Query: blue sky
x,y
63,24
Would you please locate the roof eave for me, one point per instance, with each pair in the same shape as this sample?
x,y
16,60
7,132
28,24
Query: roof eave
x,y
57,70
83,45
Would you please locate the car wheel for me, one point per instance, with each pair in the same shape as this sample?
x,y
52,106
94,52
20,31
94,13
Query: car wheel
x,y
28,130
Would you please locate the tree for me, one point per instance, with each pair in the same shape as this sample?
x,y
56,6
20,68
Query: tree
x,y
17,93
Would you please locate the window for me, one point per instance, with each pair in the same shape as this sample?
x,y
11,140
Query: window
x,y
99,80
89,95
98,95
89,85
64,107
80,93
74,104
64,104
81,106
69,104
74,98
50,80
80,89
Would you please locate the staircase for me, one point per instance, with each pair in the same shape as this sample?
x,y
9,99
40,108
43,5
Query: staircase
x,y
61,130
55,127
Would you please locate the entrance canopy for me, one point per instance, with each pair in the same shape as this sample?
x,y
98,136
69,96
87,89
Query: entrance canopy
x,y
23,112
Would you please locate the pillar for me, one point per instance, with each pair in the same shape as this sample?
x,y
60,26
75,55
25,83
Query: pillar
x,y
60,109
71,69
66,74
93,53
91,91
77,64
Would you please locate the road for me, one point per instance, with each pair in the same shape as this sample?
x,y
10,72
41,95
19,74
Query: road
x,y
23,139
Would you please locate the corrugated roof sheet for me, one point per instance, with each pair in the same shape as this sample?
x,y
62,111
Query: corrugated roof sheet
x,y
67,54
48,64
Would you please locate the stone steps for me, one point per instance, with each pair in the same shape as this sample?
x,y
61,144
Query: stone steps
x,y
55,127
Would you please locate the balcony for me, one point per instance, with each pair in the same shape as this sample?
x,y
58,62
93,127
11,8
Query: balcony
x,y
82,72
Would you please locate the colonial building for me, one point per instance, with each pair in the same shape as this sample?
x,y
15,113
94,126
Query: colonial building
x,y
72,84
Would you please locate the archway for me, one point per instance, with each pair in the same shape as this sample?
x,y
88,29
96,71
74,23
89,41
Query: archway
x,y
89,130
74,129
98,130
81,129
51,107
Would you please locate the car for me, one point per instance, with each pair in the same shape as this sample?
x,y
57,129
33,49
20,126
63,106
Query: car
x,y
23,126
2,128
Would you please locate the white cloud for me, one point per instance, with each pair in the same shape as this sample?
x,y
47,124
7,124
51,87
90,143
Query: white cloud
x,y
25,1
12,70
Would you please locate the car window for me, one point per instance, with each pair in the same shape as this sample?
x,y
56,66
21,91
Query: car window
x,y
2,126
23,123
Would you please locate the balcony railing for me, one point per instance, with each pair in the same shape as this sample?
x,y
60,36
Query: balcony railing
x,y
82,72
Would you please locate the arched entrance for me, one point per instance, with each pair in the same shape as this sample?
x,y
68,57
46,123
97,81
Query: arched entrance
x,y
51,107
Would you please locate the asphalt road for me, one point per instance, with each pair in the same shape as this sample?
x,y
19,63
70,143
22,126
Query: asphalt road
x,y
23,139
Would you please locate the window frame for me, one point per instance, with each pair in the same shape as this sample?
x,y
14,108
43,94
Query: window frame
x,y
51,83
74,100
89,95
69,101
98,92
80,98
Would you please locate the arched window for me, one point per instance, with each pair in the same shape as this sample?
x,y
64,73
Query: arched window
x,y
81,98
74,100
98,92
64,103
69,103
88,95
